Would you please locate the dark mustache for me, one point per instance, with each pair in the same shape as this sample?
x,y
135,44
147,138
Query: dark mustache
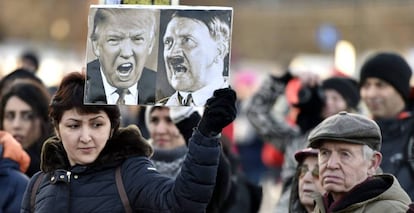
x,y
175,60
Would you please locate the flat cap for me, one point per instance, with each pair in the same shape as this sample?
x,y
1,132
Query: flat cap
x,y
347,127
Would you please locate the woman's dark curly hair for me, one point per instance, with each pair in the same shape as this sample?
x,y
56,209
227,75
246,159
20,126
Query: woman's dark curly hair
x,y
70,95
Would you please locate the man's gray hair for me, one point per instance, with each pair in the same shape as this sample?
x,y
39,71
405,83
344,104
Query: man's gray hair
x,y
367,152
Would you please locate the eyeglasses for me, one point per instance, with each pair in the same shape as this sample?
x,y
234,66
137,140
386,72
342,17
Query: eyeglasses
x,y
304,169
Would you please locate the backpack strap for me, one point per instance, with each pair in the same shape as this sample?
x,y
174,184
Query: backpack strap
x,y
34,191
121,190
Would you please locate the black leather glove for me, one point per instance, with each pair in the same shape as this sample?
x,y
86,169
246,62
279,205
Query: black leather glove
x,y
220,110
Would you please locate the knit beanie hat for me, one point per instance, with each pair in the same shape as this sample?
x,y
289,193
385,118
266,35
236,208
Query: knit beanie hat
x,y
391,68
346,87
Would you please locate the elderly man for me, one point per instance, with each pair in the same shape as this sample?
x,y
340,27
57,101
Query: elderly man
x,y
349,157
196,46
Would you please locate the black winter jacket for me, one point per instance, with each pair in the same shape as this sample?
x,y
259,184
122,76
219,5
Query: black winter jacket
x,y
92,188
397,149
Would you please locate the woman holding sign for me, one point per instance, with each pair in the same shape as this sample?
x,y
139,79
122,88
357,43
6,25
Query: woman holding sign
x,y
95,166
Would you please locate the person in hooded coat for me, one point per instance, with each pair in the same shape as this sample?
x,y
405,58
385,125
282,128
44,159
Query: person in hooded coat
x,y
92,165
14,161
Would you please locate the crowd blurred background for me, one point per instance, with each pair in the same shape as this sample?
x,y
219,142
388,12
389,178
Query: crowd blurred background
x,y
268,35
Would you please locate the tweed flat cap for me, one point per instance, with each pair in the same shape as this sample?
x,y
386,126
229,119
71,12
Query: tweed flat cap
x,y
347,127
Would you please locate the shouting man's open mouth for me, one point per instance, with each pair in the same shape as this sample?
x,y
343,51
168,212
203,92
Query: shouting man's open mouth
x,y
177,65
124,70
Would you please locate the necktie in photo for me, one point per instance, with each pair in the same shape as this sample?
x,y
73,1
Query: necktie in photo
x,y
121,93
188,100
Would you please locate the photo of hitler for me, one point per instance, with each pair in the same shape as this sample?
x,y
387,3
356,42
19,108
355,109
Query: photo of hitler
x,y
195,46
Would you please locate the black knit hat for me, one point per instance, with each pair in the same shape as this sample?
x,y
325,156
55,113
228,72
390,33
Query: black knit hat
x,y
347,87
391,68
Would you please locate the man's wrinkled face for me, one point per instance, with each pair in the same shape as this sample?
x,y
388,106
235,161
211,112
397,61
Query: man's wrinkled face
x,y
123,44
189,53
342,166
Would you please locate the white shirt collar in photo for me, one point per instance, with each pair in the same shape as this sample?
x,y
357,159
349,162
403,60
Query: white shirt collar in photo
x,y
111,96
201,96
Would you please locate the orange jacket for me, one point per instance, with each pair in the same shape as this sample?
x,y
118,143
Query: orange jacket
x,y
13,150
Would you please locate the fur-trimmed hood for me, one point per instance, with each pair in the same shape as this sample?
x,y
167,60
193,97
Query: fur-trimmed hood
x,y
126,142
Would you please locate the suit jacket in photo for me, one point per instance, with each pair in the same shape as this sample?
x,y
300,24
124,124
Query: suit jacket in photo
x,y
95,91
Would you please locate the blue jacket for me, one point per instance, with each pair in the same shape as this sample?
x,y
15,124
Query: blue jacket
x,y
12,184
93,188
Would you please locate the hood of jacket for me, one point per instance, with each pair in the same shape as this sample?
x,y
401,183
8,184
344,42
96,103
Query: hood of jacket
x,y
126,142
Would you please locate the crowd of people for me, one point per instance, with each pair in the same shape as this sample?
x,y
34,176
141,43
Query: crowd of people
x,y
389,105
59,152
335,157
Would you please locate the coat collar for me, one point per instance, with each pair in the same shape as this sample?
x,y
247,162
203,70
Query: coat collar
x,y
126,142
